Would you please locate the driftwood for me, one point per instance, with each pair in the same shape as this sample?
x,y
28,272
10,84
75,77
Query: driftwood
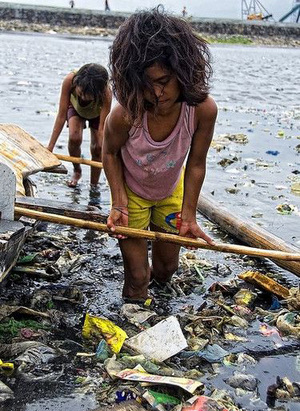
x,y
248,232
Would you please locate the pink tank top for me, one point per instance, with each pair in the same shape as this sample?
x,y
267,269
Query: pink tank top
x,y
152,169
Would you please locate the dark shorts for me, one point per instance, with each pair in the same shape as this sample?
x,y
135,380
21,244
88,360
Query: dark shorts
x,y
93,122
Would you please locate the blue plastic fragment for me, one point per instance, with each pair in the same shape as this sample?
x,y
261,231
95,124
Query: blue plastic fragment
x,y
125,395
276,305
272,152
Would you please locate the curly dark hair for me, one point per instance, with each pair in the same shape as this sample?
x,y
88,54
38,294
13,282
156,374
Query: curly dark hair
x,y
153,36
92,79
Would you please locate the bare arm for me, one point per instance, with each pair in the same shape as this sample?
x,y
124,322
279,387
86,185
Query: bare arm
x,y
105,109
206,114
115,136
61,117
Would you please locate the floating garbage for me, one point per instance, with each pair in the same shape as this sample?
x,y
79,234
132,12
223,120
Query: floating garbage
x,y
243,381
223,140
9,310
293,300
5,393
160,342
264,282
283,390
125,395
285,209
159,400
225,162
219,332
289,324
273,332
295,187
273,152
139,374
211,353
275,305
40,354
6,366
131,405
97,328
280,133
136,314
244,297
204,403
50,273
239,360
103,351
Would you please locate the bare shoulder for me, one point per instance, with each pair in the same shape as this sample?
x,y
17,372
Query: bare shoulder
x,y
69,78
108,93
207,110
116,121
67,83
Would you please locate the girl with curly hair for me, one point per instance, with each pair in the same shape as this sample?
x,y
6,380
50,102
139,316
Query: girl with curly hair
x,y
156,140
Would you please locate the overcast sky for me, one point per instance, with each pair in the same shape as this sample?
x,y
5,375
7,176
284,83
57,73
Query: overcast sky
x,y
199,8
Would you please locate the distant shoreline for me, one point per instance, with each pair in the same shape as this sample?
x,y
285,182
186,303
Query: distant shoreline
x,y
18,26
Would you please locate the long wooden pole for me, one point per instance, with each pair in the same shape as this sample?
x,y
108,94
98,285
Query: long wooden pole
x,y
247,231
79,160
156,236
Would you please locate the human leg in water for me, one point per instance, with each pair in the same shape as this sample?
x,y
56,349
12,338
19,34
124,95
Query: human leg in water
x,y
74,145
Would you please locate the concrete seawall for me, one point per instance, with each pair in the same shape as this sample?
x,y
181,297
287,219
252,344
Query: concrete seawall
x,y
54,16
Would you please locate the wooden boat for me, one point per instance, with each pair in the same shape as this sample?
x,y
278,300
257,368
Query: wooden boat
x,y
20,156
13,235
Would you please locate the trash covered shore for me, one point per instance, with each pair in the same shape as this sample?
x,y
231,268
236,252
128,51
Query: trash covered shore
x,y
219,336
241,352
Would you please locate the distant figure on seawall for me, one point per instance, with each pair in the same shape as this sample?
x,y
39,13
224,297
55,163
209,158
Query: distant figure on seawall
x,y
72,3
184,12
107,8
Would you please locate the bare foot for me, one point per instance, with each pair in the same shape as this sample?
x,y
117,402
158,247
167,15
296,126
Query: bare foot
x,y
74,180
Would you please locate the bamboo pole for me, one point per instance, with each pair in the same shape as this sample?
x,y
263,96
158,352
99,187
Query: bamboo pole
x,y
156,236
79,160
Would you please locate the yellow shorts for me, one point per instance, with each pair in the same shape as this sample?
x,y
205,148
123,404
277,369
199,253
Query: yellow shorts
x,y
165,213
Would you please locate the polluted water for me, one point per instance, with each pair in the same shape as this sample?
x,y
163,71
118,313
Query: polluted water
x,y
68,341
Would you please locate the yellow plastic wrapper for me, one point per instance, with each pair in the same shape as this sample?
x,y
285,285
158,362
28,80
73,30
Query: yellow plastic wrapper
x,y
6,366
104,328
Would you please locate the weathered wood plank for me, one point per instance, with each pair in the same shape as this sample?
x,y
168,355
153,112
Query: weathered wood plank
x,y
247,232
7,192
12,238
84,212
24,142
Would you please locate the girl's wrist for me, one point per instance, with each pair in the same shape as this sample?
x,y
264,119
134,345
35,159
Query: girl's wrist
x,y
122,209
